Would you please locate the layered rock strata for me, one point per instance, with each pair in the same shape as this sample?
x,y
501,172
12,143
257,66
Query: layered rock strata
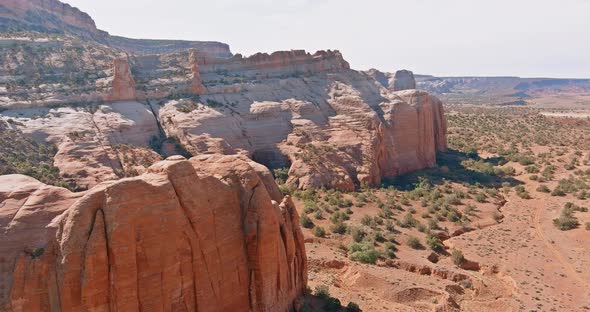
x,y
211,233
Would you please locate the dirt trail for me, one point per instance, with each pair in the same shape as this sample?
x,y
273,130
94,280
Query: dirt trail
x,y
549,245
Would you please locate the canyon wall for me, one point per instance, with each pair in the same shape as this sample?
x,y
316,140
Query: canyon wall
x,y
330,125
212,233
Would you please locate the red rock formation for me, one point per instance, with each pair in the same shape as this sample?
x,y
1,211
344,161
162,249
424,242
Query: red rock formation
x,y
413,132
54,15
207,234
123,82
403,80
196,85
279,63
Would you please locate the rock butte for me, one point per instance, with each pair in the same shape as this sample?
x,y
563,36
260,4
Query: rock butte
x,y
212,233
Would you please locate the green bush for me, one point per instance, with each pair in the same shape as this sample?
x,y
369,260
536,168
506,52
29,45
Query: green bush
x,y
566,220
364,253
305,221
414,242
357,234
408,221
338,228
557,192
319,231
434,243
281,175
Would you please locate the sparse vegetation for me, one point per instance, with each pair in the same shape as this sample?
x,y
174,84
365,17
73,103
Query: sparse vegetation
x,y
457,257
20,154
363,252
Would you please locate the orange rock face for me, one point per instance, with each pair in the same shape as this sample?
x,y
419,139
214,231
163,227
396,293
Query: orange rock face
x,y
123,82
207,234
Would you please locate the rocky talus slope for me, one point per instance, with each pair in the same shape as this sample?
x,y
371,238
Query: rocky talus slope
x,y
212,233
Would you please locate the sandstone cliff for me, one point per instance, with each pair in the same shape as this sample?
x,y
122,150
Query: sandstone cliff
x,y
47,15
208,234
332,126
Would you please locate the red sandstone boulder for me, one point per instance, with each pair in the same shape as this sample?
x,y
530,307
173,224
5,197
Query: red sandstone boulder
x,y
207,234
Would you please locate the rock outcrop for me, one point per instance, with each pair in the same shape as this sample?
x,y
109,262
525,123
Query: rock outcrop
x,y
123,81
196,85
211,233
47,15
56,17
403,80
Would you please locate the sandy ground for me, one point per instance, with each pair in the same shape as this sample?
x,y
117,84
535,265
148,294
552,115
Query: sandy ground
x,y
525,263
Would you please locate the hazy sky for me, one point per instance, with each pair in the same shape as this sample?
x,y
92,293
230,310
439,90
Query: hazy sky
x,y
532,38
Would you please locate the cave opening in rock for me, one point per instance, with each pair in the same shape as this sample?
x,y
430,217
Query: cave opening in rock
x,y
272,158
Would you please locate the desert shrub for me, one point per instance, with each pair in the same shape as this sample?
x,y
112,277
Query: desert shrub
x,y
534,177
352,307
434,243
319,231
309,206
339,216
364,253
566,220
433,224
457,257
480,197
421,228
588,226
358,234
408,221
543,189
557,192
378,236
414,242
322,291
338,227
524,195
453,199
367,221
305,221
281,175
390,250
389,226
470,209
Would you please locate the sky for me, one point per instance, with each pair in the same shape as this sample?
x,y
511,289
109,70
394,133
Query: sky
x,y
527,38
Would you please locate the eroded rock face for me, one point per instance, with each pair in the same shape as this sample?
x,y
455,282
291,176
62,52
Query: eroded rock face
x,y
51,15
208,234
403,80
